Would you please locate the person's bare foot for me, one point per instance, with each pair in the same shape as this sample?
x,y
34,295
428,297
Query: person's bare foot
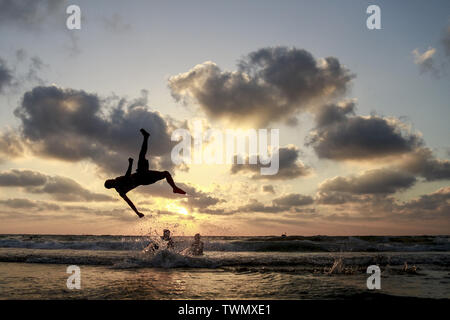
x,y
145,133
141,215
178,190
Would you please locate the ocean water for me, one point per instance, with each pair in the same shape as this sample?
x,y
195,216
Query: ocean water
x,y
320,267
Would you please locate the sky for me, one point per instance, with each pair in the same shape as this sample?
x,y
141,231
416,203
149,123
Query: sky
x,y
362,115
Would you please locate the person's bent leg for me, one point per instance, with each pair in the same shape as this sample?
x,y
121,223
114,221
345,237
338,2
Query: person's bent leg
x,y
170,181
152,176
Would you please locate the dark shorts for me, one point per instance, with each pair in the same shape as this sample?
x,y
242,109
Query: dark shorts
x,y
143,165
150,176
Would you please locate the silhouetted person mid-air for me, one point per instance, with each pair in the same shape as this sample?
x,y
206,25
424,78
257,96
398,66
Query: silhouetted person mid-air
x,y
143,176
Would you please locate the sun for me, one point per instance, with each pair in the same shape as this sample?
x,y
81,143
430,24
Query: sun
x,y
178,209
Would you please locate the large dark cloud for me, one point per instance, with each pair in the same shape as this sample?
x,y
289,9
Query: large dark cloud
x,y
59,188
290,167
74,125
339,135
6,76
28,13
377,181
271,84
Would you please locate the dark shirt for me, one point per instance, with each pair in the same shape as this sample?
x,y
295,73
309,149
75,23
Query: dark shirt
x,y
127,183
197,248
170,243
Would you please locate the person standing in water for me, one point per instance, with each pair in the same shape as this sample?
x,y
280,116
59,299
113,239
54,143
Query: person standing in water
x,y
152,246
196,248
166,237
143,176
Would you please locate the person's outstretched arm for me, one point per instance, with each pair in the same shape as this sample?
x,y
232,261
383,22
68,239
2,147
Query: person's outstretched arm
x,y
131,204
130,167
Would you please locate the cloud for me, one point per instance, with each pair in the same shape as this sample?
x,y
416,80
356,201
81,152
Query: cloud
x,y
426,60
10,145
194,199
341,136
6,76
422,162
197,199
330,114
290,167
365,208
18,203
59,188
74,125
36,65
435,201
115,24
36,15
256,206
429,61
66,189
377,181
270,85
28,204
385,208
27,13
201,200
446,41
293,200
288,203
22,178
335,198
268,188
23,71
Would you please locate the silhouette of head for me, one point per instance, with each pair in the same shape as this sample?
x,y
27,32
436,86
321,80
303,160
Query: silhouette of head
x,y
111,183
166,234
197,237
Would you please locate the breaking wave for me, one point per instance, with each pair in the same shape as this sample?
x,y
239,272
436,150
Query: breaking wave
x,y
235,244
236,261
